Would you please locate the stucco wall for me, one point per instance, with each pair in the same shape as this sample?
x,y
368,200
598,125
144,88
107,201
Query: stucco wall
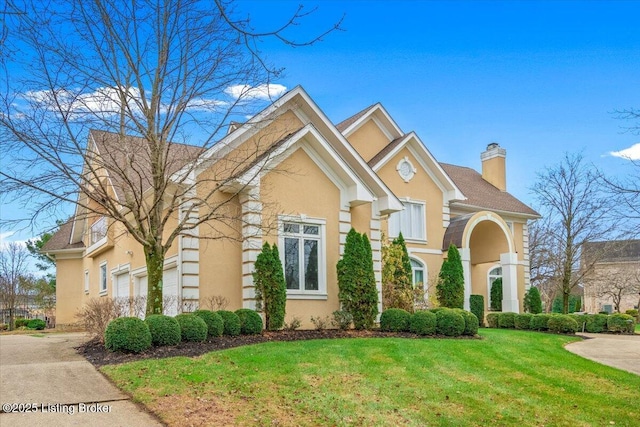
x,y
368,140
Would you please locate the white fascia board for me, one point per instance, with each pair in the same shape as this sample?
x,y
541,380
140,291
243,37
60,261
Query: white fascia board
x,y
382,119
244,132
346,151
461,207
428,163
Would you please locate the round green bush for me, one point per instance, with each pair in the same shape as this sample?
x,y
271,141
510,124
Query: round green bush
x,y
581,320
562,324
523,321
507,320
37,324
620,323
231,321
192,327
165,330
434,310
215,324
492,319
471,322
596,323
394,320
540,322
250,321
449,323
21,322
127,334
423,323
633,313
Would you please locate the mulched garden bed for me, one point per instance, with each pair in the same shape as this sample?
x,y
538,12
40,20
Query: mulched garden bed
x,y
98,355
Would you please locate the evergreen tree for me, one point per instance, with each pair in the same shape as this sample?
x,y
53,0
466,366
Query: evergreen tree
x,y
496,295
356,280
397,290
532,301
406,262
271,293
450,288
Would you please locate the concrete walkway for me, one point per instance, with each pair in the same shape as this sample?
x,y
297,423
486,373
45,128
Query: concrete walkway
x,y
619,351
44,382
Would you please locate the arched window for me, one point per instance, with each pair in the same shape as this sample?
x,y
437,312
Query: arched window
x,y
417,273
494,273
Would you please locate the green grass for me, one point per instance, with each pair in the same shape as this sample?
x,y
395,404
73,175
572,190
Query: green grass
x,y
510,378
637,328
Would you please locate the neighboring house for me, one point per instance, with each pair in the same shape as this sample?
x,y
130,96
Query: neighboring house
x,y
613,280
364,173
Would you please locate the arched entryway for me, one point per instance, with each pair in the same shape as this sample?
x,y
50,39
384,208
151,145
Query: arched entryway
x,y
485,242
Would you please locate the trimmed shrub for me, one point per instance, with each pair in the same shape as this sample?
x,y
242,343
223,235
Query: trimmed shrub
x,y
596,323
127,334
342,319
507,320
523,321
270,286
423,323
437,309
471,322
250,321
622,323
540,322
192,327
232,325
532,301
165,330
496,295
21,322
633,313
449,323
492,319
581,320
450,287
562,324
356,280
476,303
37,324
395,320
215,324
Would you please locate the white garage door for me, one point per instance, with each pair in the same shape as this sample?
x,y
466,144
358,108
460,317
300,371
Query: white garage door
x,y
170,291
122,285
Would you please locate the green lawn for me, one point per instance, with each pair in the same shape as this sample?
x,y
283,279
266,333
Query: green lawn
x,y
509,378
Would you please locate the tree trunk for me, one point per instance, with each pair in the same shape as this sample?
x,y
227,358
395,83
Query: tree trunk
x,y
154,256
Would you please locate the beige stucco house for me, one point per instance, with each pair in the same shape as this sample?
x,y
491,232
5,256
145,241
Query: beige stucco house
x,y
317,182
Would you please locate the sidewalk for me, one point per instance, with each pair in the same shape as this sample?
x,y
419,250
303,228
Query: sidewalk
x,y
43,382
619,351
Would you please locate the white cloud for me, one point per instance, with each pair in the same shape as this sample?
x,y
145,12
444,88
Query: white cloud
x,y
631,153
261,92
4,240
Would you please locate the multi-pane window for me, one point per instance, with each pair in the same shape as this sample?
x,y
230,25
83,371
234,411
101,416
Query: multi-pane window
x,y
411,222
103,277
302,253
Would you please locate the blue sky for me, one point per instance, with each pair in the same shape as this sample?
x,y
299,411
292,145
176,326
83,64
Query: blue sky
x,y
540,78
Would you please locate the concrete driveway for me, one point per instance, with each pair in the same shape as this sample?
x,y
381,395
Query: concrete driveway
x,y
619,351
43,382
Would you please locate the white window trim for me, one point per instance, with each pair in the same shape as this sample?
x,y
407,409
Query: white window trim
x,y
106,278
118,270
424,221
423,268
321,293
86,281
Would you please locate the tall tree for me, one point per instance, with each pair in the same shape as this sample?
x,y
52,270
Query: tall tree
x,y
165,72
450,288
578,210
13,278
397,289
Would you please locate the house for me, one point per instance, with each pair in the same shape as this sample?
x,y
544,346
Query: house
x,y
612,281
311,182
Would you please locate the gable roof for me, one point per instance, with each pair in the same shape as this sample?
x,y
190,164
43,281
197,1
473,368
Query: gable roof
x,y
613,250
61,239
481,194
386,150
343,125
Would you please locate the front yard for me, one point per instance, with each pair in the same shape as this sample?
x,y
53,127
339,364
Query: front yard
x,y
508,378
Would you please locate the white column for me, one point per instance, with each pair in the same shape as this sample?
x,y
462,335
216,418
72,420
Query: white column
x,y
509,262
465,256
251,242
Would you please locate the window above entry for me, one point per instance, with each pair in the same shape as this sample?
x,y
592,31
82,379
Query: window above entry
x,y
411,221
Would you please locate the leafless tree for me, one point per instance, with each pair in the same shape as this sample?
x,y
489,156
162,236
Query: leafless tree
x,y
577,209
616,284
13,274
165,80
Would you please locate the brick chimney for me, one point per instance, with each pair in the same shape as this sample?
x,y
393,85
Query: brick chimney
x,y
494,168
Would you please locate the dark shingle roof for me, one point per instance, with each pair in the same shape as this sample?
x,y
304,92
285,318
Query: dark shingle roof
x,y
61,238
343,125
613,250
386,150
480,193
